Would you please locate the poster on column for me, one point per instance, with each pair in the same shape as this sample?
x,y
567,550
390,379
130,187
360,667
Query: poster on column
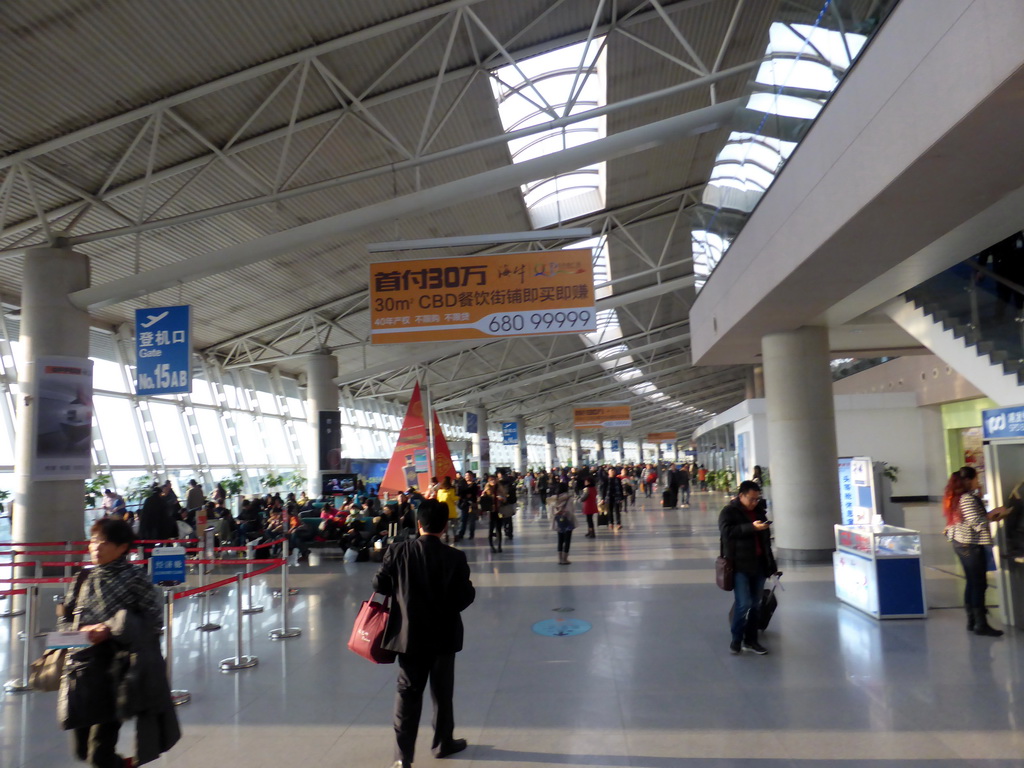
x,y
163,350
329,434
482,297
63,402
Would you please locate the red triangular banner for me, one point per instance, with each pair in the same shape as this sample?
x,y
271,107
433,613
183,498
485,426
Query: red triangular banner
x,y
411,451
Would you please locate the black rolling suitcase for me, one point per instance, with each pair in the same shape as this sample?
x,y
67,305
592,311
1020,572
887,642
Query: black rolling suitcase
x,y
668,499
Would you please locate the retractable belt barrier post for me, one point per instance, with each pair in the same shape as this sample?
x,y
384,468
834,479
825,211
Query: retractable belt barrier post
x,y
284,631
250,555
240,661
20,684
69,547
12,609
178,696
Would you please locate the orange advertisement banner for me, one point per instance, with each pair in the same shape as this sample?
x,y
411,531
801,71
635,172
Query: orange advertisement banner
x,y
601,416
482,297
661,437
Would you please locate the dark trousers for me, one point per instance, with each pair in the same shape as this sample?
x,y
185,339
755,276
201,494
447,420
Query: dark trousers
x,y
590,524
975,563
746,601
495,527
97,745
564,540
614,511
413,675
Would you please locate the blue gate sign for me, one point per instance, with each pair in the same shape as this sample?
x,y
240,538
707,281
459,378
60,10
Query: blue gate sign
x,y
1003,422
167,565
163,350
509,432
561,627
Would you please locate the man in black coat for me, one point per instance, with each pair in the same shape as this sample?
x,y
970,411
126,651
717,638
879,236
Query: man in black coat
x,y
746,538
430,587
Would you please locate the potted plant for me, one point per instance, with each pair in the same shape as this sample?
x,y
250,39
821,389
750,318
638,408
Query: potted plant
x,y
233,485
94,487
138,488
272,482
295,481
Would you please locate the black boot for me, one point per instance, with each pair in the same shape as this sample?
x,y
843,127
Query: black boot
x,y
981,626
970,618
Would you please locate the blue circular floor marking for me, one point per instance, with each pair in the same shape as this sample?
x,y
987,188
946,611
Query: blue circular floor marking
x,y
561,627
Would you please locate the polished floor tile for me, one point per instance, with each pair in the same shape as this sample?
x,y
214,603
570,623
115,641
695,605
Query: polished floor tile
x,y
651,684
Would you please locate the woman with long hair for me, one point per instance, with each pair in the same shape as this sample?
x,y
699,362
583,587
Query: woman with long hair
x,y
967,527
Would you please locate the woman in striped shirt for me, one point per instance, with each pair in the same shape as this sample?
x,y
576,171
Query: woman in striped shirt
x,y
967,527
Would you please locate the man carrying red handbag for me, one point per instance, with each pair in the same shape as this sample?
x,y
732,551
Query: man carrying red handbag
x,y
429,584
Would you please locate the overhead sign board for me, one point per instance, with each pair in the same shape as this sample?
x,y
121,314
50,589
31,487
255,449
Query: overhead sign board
x,y
509,433
661,437
1003,422
163,350
481,297
601,416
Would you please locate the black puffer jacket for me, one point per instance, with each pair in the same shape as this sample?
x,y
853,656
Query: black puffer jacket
x,y
739,539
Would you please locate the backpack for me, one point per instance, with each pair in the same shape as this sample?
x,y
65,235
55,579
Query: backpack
x,y
563,523
511,498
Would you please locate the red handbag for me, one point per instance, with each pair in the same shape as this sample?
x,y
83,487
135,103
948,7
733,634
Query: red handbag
x,y
368,632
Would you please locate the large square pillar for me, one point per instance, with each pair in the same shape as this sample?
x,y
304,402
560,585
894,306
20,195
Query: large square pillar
x,y
802,439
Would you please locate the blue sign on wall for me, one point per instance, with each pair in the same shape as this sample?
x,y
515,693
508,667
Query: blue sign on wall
x,y
615,446
163,350
509,432
472,423
1003,422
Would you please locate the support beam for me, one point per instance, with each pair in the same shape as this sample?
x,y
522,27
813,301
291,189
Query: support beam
x,y
418,203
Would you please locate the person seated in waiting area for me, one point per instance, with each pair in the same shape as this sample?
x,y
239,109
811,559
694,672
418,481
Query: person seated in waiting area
x,y
299,535
250,524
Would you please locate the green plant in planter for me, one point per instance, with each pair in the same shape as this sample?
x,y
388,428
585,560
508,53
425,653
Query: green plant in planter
x,y
94,487
890,471
727,480
233,484
138,487
295,481
272,481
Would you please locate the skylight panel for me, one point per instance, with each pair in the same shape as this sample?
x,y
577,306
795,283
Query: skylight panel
x,y
784,106
568,81
797,73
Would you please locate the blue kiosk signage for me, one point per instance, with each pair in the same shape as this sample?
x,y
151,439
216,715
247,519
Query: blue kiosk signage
x,y
163,350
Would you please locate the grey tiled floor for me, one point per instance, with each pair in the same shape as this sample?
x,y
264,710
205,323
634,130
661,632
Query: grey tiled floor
x,y
651,685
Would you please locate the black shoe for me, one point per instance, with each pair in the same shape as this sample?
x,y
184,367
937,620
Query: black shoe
x,y
754,647
493,549
452,747
986,631
734,648
499,549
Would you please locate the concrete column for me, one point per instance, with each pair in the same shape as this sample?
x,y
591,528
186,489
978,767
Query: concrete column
x,y
47,510
321,395
600,448
481,443
577,450
802,439
550,454
521,453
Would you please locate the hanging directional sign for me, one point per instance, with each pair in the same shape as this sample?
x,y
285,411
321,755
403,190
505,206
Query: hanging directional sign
x,y
163,350
509,432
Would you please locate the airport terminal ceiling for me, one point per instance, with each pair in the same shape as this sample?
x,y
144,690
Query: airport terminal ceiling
x,y
157,136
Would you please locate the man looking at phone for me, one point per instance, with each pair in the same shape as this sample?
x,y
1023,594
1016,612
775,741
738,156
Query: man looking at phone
x,y
746,538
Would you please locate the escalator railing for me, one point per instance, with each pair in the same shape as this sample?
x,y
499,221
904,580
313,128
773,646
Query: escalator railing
x,y
982,305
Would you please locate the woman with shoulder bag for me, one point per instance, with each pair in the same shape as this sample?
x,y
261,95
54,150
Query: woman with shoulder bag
x,y
121,674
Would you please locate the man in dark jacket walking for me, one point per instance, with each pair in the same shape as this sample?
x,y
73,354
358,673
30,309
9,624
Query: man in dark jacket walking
x,y
430,586
747,539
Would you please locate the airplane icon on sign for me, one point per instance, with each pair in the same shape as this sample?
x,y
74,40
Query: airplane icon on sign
x,y
155,319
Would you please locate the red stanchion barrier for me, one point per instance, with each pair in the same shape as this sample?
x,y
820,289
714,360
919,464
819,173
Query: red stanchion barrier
x,y
53,580
224,582
10,592
53,553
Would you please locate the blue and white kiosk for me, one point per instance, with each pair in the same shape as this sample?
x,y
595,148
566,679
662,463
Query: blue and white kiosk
x,y
877,567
